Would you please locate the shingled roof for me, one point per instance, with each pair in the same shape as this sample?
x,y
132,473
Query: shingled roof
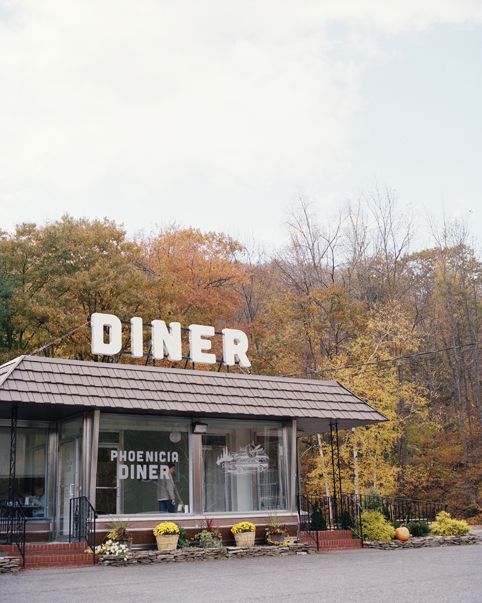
x,y
37,380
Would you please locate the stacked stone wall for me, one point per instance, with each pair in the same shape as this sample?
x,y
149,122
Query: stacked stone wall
x,y
424,541
9,564
204,554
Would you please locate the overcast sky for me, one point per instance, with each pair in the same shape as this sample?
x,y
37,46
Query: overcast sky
x,y
218,114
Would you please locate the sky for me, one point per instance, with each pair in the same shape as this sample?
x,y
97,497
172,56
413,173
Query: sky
x,y
220,114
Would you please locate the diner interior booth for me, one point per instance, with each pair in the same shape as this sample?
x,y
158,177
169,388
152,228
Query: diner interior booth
x,y
110,431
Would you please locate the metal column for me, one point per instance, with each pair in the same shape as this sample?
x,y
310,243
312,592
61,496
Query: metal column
x,y
336,471
12,486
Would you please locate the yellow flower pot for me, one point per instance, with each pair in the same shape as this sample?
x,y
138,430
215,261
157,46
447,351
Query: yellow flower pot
x,y
245,539
167,543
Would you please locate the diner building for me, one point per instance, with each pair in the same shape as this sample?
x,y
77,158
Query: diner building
x,y
113,432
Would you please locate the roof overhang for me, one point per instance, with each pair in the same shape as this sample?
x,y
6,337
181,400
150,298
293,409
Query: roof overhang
x,y
55,388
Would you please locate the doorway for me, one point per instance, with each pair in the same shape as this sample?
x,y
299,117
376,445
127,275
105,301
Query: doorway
x,y
68,483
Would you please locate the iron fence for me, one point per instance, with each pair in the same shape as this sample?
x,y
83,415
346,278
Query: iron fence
x,y
344,513
13,524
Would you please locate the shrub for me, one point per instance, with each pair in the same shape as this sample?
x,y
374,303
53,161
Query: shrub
x,y
444,525
243,526
374,502
376,527
418,528
208,540
346,520
317,519
183,542
166,528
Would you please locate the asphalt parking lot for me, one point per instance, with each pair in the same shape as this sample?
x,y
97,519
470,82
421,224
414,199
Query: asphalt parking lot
x,y
448,574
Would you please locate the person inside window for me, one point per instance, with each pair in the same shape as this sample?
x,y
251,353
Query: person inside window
x,y
167,493
38,501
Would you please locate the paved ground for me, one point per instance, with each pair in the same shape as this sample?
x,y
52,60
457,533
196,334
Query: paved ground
x,y
449,574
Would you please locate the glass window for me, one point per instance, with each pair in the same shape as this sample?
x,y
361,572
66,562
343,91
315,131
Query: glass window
x,y
30,468
71,428
244,467
143,464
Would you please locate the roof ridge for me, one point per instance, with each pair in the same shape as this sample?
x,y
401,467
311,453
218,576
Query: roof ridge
x,y
180,371
15,362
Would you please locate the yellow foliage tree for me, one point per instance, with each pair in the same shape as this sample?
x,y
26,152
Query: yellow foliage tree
x,y
377,464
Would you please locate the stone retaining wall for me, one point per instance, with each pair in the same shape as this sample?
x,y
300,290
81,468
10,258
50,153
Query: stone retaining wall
x,y
425,541
192,554
9,564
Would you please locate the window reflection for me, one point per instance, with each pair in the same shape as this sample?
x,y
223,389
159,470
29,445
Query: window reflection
x,y
244,467
30,470
142,461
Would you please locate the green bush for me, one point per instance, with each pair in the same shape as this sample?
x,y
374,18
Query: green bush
x,y
317,519
346,520
183,541
418,528
444,525
374,502
376,527
208,540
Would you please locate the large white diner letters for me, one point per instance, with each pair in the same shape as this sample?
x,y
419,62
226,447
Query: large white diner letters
x,y
137,342
235,346
198,346
166,341
99,324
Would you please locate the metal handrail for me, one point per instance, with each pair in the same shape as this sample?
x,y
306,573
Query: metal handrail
x,y
13,522
82,522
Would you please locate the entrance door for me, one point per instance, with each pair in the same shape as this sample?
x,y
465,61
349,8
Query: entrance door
x,y
68,482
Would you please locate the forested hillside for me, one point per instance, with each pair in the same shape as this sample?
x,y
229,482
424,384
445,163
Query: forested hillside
x,y
347,300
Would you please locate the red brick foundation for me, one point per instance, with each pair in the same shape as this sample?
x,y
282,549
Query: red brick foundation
x,y
55,554
330,540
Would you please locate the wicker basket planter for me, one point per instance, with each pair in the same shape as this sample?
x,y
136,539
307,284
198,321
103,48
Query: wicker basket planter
x,y
245,539
167,543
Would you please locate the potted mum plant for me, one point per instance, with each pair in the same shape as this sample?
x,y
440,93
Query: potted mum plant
x,y
276,532
167,535
244,533
118,532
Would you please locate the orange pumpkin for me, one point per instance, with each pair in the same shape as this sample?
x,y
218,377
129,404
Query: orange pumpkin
x,y
402,534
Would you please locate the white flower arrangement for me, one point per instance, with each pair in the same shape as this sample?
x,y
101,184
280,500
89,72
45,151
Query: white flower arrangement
x,y
112,547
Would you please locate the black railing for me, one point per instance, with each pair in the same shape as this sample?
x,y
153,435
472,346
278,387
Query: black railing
x,y
13,525
82,526
344,513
